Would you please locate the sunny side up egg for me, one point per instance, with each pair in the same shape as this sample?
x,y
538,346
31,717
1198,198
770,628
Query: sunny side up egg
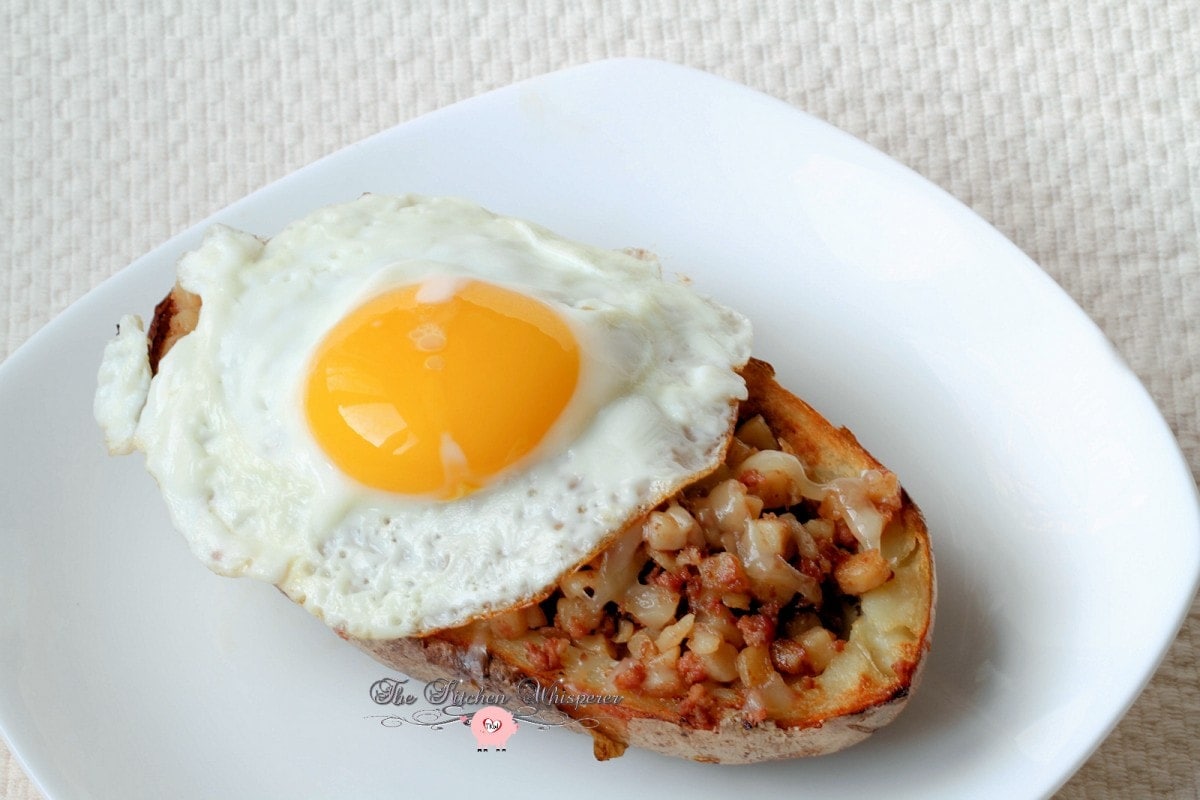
x,y
409,412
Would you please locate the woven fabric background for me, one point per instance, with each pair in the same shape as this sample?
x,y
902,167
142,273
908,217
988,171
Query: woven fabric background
x,y
1072,126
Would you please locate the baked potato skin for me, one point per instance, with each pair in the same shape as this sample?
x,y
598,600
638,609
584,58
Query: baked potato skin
x,y
175,316
834,719
613,729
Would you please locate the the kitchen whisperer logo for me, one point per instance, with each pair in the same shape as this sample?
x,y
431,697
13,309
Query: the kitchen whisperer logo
x,y
493,717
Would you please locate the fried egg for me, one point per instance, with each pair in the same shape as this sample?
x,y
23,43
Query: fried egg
x,y
410,412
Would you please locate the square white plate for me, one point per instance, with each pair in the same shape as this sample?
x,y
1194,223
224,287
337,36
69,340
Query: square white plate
x,y
1063,516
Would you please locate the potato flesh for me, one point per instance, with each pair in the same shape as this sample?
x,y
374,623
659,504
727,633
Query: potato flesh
x,y
716,602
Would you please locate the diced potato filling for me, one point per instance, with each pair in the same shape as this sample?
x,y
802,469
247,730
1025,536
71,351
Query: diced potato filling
x,y
738,593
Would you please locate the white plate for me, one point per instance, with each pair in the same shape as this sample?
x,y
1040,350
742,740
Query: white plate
x,y
1064,520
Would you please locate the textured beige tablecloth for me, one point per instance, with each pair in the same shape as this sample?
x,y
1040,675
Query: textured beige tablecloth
x,y
1074,127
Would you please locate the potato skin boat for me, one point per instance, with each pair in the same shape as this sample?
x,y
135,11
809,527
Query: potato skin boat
x,y
864,688
865,685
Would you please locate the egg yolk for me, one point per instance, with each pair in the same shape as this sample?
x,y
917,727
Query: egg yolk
x,y
435,388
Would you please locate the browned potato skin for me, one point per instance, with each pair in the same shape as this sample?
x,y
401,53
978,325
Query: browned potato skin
x,y
174,317
827,453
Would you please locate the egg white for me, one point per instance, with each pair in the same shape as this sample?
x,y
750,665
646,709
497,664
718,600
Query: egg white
x,y
224,432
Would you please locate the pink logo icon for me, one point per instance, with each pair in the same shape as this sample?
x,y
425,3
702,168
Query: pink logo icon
x,y
492,726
